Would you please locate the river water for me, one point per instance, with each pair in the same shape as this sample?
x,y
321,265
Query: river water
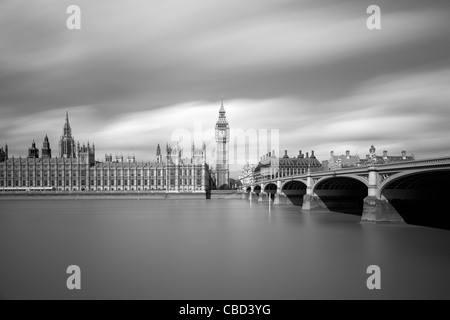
x,y
212,249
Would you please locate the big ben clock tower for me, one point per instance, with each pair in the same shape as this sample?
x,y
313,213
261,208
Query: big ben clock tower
x,y
222,149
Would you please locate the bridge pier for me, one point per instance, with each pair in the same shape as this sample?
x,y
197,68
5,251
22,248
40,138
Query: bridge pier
x,y
281,199
253,196
312,202
276,200
263,197
379,210
376,209
279,196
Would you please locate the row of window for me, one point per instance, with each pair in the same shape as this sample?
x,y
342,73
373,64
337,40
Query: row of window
x,y
77,174
75,166
31,176
111,173
285,171
268,175
52,183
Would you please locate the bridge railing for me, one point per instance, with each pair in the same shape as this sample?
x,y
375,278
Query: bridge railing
x,y
416,163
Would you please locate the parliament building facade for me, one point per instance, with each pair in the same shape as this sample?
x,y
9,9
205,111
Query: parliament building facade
x,y
75,169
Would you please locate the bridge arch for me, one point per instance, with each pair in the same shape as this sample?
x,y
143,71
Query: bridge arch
x,y
270,188
419,196
343,193
257,189
294,190
397,176
289,184
346,176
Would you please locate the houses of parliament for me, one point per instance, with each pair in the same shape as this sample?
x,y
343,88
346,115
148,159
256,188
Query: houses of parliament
x,y
75,167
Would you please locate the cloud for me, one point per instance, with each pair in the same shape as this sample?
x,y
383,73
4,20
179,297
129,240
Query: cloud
x,y
154,53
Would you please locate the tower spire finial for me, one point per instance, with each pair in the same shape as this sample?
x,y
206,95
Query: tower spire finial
x,y
222,108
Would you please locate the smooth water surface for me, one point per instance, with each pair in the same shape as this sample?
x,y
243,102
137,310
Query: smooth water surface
x,y
211,249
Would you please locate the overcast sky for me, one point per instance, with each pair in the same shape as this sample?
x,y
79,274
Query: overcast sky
x,y
139,70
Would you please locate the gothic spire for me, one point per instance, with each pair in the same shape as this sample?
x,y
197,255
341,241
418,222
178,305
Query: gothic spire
x,y
67,130
67,124
158,150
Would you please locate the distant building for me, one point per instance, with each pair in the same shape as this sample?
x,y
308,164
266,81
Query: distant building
x,y
77,170
4,153
159,158
85,153
67,142
33,152
346,160
373,158
271,167
235,184
46,150
247,175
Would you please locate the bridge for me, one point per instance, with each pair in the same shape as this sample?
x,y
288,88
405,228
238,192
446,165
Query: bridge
x,y
410,191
